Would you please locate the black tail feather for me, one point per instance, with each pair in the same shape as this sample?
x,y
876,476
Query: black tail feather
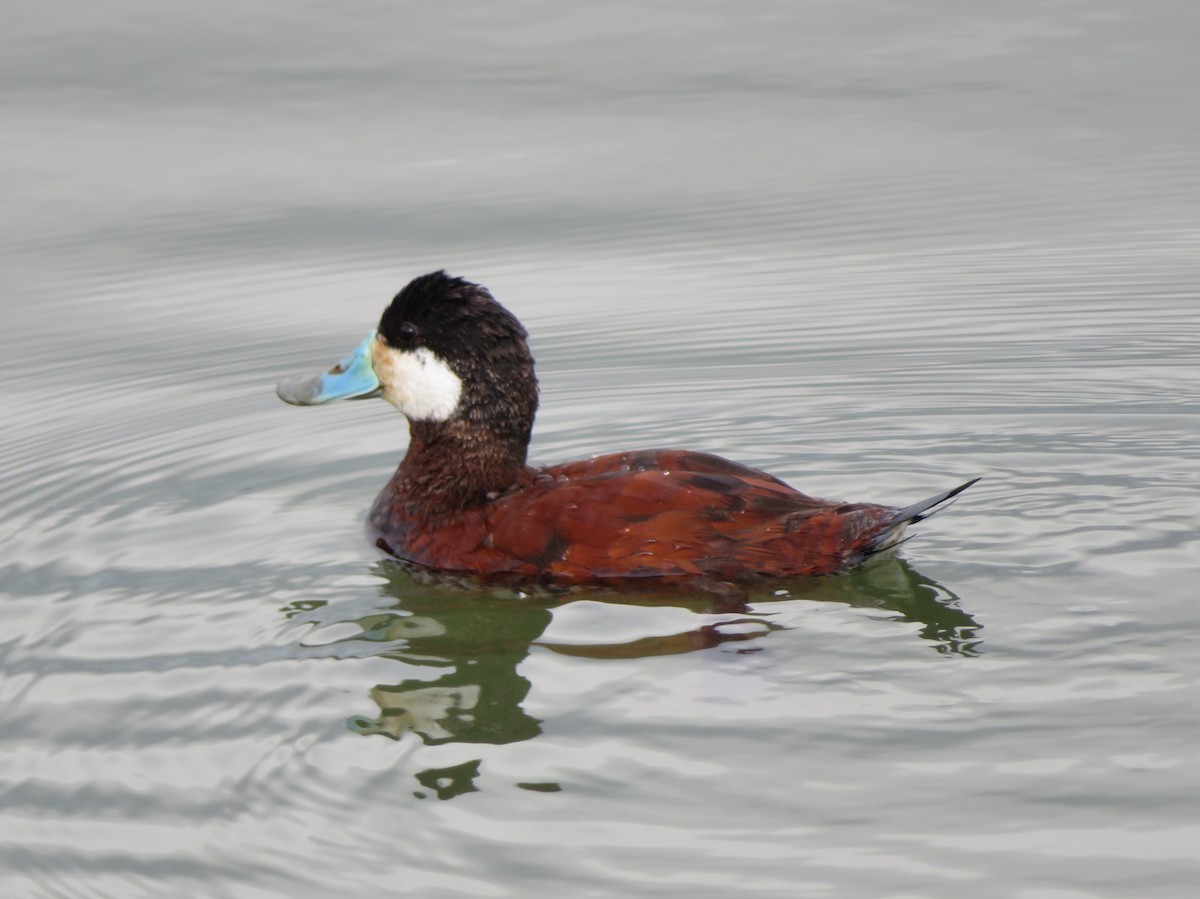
x,y
922,510
888,535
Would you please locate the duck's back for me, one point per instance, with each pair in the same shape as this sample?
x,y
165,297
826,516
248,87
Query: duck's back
x,y
653,513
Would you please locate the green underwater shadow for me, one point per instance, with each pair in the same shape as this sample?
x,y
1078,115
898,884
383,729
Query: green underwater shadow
x,y
473,639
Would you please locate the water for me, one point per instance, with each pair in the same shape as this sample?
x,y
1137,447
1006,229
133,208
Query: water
x,y
874,251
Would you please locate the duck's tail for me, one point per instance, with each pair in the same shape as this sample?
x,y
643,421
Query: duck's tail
x,y
891,533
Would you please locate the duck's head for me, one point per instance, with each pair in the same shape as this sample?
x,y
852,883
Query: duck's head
x,y
444,353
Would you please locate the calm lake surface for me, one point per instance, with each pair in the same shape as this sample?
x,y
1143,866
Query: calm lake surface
x,y
875,249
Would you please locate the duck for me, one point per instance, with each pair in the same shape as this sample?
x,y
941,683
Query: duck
x,y
464,500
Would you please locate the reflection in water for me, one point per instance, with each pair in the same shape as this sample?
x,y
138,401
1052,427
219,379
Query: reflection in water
x,y
892,584
474,642
446,783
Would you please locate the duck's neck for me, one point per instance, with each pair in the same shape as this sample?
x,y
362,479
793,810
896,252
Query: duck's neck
x,y
453,466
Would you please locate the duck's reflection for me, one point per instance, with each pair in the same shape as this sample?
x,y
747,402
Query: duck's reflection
x,y
477,640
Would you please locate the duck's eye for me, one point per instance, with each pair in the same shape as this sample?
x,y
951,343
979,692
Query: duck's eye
x,y
407,332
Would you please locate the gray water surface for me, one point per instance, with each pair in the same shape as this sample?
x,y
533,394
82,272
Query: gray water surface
x,y
875,249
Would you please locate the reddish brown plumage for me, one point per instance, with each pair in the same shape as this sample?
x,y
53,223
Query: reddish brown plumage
x,y
665,513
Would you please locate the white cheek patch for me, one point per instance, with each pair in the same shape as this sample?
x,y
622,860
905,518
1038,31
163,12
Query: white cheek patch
x,y
417,382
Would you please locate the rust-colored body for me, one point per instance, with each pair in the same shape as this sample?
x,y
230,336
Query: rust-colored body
x,y
653,513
